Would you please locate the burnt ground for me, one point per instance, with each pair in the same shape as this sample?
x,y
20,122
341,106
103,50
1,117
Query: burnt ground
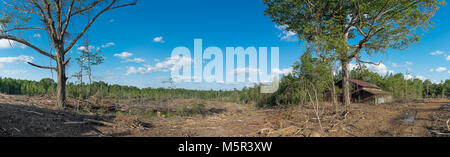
x,y
26,116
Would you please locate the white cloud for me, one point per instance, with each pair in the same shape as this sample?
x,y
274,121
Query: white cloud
x,y
137,60
282,71
37,35
13,72
440,69
253,71
123,55
5,44
21,58
158,39
380,69
421,77
351,66
165,66
286,35
394,65
185,78
438,52
244,71
156,60
408,77
83,48
281,27
407,63
108,45
126,55
1,65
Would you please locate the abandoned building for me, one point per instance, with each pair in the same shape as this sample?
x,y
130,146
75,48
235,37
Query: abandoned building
x,y
364,92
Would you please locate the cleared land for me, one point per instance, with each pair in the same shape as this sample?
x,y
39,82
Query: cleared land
x,y
37,116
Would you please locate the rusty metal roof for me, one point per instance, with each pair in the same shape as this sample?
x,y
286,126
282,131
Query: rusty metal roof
x,y
359,83
376,91
363,83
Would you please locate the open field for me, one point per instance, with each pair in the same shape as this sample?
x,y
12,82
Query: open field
x,y
37,116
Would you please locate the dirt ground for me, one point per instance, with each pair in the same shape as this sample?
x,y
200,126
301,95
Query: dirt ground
x,y
37,116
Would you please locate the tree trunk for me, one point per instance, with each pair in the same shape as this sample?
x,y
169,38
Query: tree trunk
x,y
61,87
333,94
345,83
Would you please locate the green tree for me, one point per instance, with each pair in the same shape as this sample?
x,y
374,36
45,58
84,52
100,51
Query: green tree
x,y
351,28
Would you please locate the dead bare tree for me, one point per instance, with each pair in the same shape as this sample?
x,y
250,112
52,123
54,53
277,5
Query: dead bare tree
x,y
315,104
54,18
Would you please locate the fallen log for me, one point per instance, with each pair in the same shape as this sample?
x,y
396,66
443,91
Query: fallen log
x,y
70,122
41,114
439,133
100,122
90,121
448,127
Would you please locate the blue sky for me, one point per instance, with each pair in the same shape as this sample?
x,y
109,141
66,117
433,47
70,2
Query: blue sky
x,y
149,31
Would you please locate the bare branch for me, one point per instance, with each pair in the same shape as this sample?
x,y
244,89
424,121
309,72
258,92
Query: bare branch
x,y
43,67
360,31
24,28
94,19
358,59
66,61
44,18
82,10
40,9
59,12
22,41
66,22
22,7
124,5
51,22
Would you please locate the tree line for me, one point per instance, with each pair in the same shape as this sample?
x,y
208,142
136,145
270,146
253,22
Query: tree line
x,y
343,31
104,90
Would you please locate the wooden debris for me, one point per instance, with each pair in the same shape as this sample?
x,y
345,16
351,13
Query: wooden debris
x,y
448,127
265,131
284,132
100,122
439,133
90,121
16,129
41,114
72,122
315,134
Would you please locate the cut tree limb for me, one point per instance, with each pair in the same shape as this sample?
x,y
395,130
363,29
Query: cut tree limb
x,y
90,121
100,122
439,133
41,114
448,127
70,122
